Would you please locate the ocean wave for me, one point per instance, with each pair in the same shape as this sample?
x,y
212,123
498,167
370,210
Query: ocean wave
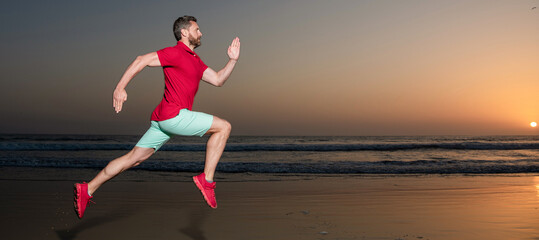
x,y
334,167
21,146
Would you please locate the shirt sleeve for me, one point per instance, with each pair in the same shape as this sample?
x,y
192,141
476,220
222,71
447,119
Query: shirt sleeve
x,y
203,67
166,56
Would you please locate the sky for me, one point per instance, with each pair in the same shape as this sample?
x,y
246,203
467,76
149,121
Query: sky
x,y
307,67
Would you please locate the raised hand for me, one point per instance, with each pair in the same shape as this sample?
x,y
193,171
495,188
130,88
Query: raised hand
x,y
118,98
234,49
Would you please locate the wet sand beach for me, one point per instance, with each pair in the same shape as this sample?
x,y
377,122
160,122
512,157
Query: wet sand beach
x,y
37,204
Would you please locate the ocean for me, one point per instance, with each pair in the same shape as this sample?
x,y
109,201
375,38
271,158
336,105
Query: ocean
x,y
272,154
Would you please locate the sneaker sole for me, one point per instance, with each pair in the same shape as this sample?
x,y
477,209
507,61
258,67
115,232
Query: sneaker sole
x,y
76,196
199,186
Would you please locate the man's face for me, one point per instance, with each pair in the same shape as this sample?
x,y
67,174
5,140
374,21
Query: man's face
x,y
194,34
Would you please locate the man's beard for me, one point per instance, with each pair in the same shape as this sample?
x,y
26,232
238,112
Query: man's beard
x,y
194,42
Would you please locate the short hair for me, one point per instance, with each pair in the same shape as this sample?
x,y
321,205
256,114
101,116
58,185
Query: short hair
x,y
182,23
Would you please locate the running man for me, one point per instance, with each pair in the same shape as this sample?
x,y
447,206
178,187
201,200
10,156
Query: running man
x,y
183,70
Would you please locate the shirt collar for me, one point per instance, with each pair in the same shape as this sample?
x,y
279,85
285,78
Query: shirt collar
x,y
186,48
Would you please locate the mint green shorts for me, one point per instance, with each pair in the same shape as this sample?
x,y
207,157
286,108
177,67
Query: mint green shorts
x,y
187,123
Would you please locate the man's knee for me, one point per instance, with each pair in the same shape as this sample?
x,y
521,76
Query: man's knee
x,y
221,125
227,127
139,155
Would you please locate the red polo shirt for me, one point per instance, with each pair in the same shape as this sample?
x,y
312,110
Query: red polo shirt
x,y
183,70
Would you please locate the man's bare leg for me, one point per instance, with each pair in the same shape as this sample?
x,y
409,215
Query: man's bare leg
x,y
220,131
118,165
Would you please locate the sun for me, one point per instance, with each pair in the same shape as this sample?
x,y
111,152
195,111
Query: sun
x,y
533,124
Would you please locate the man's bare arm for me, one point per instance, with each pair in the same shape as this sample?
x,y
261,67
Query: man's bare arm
x,y
120,95
219,78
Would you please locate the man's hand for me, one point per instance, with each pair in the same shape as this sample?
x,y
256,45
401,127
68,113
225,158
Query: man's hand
x,y
234,49
118,98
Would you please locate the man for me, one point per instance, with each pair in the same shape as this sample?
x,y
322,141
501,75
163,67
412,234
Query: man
x,y
183,70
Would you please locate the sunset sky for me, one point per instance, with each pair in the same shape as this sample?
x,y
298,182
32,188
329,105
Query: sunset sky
x,y
306,68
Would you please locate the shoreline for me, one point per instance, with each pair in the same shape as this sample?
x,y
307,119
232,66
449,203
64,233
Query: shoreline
x,y
141,175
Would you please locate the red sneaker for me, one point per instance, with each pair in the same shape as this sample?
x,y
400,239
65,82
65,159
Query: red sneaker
x,y
81,198
206,188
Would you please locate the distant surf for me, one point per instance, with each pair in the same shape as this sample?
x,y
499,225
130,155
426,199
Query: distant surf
x,y
315,155
17,146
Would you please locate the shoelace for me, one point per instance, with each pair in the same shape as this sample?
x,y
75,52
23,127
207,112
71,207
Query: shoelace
x,y
89,199
212,194
211,187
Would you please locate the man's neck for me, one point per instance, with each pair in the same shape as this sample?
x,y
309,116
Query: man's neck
x,y
186,42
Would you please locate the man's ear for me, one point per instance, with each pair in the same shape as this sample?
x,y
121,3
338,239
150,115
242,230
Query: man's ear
x,y
184,32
